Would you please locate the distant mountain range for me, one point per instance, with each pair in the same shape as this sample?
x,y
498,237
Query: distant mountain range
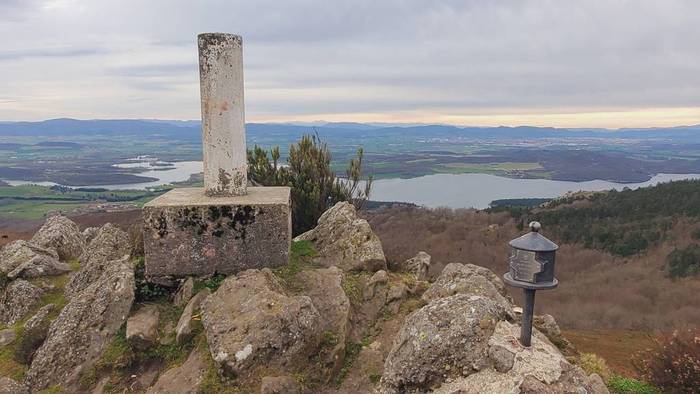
x,y
191,129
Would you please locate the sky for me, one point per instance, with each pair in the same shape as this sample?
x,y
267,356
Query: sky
x,y
607,63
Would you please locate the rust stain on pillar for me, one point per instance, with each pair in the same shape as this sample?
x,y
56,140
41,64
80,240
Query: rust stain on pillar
x,y
223,116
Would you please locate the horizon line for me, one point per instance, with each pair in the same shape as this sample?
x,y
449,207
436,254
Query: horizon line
x,y
384,124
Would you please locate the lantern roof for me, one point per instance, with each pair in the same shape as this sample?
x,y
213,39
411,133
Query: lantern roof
x,y
534,241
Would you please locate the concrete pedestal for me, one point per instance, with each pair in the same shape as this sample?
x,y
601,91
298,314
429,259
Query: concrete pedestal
x,y
189,234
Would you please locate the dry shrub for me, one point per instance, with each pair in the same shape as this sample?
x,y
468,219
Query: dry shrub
x,y
596,290
673,364
592,363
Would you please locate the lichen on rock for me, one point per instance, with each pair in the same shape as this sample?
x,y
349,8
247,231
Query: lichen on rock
x,y
25,259
251,322
83,329
345,240
63,235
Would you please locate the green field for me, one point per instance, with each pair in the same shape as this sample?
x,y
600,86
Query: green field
x,y
503,169
32,202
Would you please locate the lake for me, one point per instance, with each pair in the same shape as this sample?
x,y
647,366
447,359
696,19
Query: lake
x,y
478,190
440,190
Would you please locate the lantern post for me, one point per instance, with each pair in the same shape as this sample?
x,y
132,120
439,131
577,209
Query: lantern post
x,y
531,263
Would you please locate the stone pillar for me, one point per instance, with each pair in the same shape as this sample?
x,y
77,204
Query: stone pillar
x,y
224,227
223,117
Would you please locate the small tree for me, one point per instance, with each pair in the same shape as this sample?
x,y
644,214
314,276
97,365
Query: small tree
x,y
315,187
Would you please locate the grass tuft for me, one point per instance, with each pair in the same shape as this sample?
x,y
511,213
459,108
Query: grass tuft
x,y
624,385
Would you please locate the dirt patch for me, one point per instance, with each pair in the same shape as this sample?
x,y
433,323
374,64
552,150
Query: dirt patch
x,y
617,347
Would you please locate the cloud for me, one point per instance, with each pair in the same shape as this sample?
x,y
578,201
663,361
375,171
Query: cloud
x,y
392,58
49,52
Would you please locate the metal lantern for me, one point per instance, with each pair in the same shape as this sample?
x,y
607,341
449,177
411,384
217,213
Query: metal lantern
x,y
531,265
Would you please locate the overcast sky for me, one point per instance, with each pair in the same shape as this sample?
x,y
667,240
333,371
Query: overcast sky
x,y
610,63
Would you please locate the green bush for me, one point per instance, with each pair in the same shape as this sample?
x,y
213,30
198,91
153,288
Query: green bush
x,y
684,262
211,283
624,385
315,187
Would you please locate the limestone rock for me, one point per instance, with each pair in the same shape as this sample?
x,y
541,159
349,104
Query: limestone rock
x,y
19,298
538,369
83,329
183,379
34,334
379,279
89,234
142,327
183,331
324,288
184,293
344,240
279,385
395,296
7,336
549,327
469,279
250,321
24,259
89,273
110,243
9,386
446,338
374,296
63,235
419,265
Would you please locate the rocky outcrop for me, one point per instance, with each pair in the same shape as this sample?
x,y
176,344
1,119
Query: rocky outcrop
x,y
344,240
7,336
17,300
61,234
183,330
418,265
24,259
83,329
469,279
88,273
250,322
446,338
9,386
513,368
183,379
142,327
110,243
34,334
109,247
549,327
184,293
89,234
324,288
377,281
464,341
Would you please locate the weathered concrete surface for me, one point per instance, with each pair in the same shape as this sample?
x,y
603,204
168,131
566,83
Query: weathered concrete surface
x,y
189,234
223,115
